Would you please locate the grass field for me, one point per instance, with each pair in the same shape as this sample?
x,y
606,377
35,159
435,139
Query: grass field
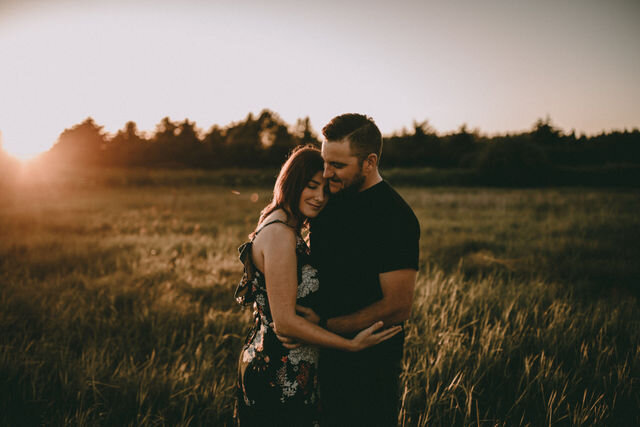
x,y
117,305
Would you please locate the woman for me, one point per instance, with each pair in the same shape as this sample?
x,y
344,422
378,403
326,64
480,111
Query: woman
x,y
276,385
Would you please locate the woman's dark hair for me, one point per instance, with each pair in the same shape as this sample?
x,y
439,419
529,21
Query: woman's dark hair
x,y
303,163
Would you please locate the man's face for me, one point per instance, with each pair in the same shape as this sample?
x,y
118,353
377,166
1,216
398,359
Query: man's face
x,y
341,168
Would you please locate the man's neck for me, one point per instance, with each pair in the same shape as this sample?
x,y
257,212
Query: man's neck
x,y
371,180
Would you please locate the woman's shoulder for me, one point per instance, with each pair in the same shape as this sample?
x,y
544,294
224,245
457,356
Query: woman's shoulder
x,y
275,229
277,215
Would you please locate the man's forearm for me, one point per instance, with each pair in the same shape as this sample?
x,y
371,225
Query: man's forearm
x,y
365,317
394,307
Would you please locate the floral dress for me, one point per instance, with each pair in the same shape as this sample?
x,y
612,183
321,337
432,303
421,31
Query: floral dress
x,y
276,386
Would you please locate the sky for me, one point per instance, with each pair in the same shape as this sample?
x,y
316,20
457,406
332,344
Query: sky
x,y
495,65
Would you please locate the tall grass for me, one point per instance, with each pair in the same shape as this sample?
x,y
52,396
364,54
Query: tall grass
x,y
499,352
117,309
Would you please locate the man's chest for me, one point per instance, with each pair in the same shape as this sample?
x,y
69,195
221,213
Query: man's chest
x,y
351,236
349,261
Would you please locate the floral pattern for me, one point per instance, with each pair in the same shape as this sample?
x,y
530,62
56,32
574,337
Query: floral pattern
x,y
309,281
271,378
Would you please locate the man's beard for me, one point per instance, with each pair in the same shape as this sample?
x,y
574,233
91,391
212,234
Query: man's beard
x,y
354,186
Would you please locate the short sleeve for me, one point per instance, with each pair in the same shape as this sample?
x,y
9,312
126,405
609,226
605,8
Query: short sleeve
x,y
399,243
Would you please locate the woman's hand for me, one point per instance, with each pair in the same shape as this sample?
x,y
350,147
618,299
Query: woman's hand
x,y
367,337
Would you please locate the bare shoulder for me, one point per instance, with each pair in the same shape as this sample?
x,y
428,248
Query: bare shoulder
x,y
276,236
276,241
277,215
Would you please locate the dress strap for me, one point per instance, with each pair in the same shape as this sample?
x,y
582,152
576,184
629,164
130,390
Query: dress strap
x,y
269,223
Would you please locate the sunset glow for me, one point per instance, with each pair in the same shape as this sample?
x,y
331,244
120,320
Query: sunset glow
x,y
496,67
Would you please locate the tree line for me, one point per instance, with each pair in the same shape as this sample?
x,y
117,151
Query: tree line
x,y
255,142
265,141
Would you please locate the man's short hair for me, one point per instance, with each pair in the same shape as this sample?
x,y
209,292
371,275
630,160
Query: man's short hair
x,y
361,132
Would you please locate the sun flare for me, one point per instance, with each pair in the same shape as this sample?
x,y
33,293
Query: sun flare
x,y
25,144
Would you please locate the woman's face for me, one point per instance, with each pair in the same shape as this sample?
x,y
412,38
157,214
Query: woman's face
x,y
314,196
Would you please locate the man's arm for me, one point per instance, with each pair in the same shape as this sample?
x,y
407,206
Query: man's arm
x,y
394,307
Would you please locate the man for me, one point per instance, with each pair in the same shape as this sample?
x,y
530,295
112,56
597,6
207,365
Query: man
x,y
365,244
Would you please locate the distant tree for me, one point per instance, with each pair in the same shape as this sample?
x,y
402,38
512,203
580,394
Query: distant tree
x,y
189,144
215,148
545,133
244,145
127,146
84,143
616,147
164,151
165,130
420,148
268,124
459,149
514,162
260,142
130,133
276,140
304,133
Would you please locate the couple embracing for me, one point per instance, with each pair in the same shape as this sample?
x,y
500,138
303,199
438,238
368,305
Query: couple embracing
x,y
326,344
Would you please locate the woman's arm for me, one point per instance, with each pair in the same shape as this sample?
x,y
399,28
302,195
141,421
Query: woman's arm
x,y
276,248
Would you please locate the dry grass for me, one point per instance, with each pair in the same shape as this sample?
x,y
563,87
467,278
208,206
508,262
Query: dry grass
x,y
117,306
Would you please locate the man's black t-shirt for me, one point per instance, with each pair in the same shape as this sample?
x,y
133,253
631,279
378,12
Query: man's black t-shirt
x,y
354,239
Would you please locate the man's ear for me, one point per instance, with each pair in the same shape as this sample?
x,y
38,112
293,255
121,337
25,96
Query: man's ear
x,y
370,163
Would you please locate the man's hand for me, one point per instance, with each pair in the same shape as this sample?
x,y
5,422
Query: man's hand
x,y
288,343
308,314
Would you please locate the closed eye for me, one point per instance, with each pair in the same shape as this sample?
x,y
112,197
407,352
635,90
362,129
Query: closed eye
x,y
313,184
